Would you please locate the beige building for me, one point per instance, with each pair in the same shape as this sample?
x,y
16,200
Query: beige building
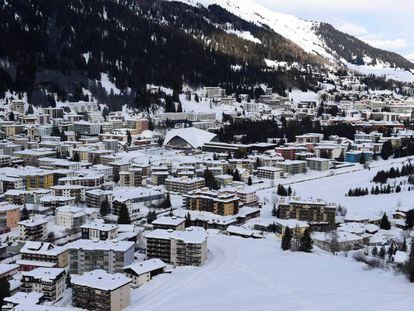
x,y
269,172
318,164
292,166
217,202
181,248
51,282
99,290
183,184
142,272
34,229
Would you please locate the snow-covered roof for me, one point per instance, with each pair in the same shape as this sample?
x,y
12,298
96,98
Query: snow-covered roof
x,y
193,136
146,266
192,235
120,246
100,279
6,268
21,297
44,274
171,221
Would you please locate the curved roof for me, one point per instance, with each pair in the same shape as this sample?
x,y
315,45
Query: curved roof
x,y
193,136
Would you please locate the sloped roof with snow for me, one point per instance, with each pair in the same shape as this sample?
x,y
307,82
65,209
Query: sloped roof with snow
x,y
193,136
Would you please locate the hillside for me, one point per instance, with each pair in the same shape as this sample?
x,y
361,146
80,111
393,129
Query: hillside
x,y
76,47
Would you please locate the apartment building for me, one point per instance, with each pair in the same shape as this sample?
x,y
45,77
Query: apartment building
x,y
32,156
76,191
90,180
288,153
143,271
37,179
88,255
132,196
87,128
318,164
183,184
8,270
214,91
34,229
53,201
159,177
269,172
99,290
131,178
216,202
309,138
42,254
181,248
318,214
165,222
95,197
51,282
9,216
10,183
70,217
99,231
293,167
247,196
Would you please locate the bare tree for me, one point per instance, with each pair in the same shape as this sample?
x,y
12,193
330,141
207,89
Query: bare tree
x,y
333,242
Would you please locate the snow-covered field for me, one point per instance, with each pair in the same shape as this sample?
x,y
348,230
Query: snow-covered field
x,y
246,274
333,189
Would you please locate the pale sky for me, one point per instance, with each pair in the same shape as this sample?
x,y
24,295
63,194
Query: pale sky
x,y
386,24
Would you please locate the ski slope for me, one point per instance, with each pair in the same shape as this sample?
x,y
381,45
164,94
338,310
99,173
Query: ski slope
x,y
249,275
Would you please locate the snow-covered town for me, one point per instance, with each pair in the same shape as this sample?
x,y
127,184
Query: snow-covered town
x,y
107,210
269,165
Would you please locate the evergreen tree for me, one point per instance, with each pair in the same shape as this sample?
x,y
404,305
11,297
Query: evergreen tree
x,y
333,242
210,180
55,131
151,216
375,251
404,245
306,243
30,109
382,252
76,157
123,216
4,290
236,175
105,207
409,266
390,252
129,138
387,150
287,239
167,202
362,159
289,191
274,211
25,214
63,136
249,181
179,107
384,223
188,220
11,116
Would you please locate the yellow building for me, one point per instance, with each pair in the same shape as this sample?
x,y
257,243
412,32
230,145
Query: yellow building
x,y
36,180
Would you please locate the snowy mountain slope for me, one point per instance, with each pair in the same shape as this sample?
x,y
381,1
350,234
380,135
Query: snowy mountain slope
x,y
321,39
295,29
